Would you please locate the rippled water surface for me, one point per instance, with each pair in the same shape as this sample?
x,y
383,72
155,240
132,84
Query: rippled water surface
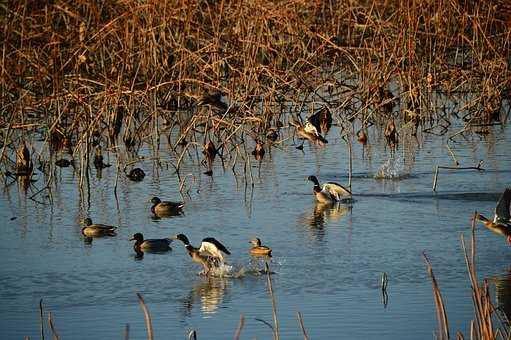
x,y
328,261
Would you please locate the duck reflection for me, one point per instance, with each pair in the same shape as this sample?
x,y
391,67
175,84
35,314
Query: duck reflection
x,y
209,292
321,214
325,213
503,294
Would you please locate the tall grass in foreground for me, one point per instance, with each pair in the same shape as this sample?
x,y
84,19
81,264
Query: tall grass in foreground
x,y
483,325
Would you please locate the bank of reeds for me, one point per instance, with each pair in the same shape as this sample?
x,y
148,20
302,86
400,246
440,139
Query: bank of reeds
x,y
88,73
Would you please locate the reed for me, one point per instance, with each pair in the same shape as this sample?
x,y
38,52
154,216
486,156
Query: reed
x,y
483,325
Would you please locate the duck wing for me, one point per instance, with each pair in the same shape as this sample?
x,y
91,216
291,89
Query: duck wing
x,y
336,190
104,227
212,245
172,205
503,206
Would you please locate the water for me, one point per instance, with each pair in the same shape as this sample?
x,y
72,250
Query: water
x,y
328,261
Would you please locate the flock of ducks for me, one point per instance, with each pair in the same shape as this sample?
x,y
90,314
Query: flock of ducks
x,y
211,253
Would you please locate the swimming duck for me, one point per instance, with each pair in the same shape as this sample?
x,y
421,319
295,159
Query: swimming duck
x,y
160,207
501,223
155,244
136,174
97,230
258,151
330,192
208,255
259,250
362,137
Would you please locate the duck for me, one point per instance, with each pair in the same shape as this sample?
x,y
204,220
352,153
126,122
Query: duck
x,y
501,223
391,134
208,255
96,229
160,207
155,244
136,174
258,151
309,132
329,192
259,250
362,137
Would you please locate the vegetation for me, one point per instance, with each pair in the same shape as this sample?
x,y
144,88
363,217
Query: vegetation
x,y
79,71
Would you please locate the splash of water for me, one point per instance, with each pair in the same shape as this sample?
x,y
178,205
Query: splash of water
x,y
393,168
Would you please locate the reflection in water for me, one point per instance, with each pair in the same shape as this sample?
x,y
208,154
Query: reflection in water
x,y
503,294
322,214
209,292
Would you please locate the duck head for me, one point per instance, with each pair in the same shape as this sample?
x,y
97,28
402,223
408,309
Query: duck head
x,y
314,180
138,237
87,221
182,238
155,200
256,242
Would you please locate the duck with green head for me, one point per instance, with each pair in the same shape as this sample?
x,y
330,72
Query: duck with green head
x,y
329,192
164,208
97,230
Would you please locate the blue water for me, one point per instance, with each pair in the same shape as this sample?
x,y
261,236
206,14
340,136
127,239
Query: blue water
x,y
328,261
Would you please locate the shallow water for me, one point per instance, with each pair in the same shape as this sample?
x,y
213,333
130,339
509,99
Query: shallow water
x,y
328,261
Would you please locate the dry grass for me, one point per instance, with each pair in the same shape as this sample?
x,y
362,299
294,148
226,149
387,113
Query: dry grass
x,y
84,74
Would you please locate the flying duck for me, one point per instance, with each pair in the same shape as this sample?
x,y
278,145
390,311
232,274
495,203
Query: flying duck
x,y
155,244
501,223
160,207
309,132
97,230
259,250
208,255
329,192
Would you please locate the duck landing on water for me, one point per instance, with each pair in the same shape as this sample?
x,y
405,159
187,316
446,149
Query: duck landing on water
x,y
329,192
209,255
501,223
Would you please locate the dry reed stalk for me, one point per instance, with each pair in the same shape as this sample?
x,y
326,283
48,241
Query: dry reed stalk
x,y
443,325
52,327
302,327
147,317
41,323
239,328
276,333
